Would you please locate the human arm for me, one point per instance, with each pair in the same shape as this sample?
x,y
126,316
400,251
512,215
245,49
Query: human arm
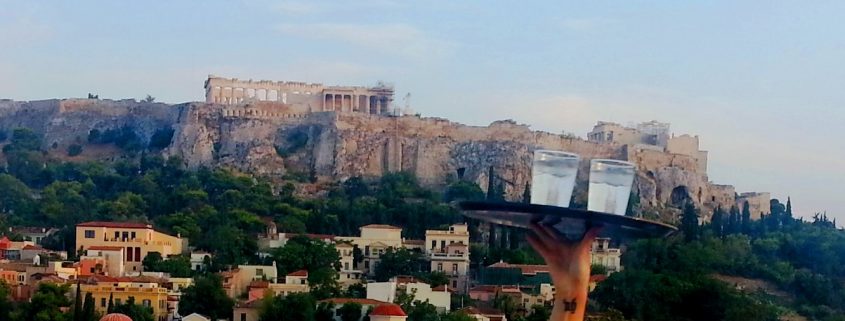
x,y
569,266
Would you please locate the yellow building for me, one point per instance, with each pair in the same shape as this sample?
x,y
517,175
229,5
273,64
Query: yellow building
x,y
146,291
448,251
138,239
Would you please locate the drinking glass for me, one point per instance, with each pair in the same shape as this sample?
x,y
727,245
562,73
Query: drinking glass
x,y
553,177
610,185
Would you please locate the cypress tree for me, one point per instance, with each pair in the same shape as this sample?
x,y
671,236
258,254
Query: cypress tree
x,y
717,222
746,219
787,217
689,222
77,304
88,308
733,221
110,308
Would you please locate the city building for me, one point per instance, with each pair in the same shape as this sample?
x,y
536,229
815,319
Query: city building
x,y
34,234
366,305
603,254
246,311
388,312
138,239
484,314
146,291
448,251
198,260
108,260
440,296
375,239
236,281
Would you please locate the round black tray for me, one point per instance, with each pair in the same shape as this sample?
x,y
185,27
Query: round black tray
x,y
572,223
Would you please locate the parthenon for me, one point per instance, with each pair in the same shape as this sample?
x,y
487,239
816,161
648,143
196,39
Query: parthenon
x,y
300,96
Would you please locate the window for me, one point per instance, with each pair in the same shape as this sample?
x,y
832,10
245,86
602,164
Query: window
x,y
442,244
125,235
455,268
367,250
162,304
302,281
454,284
102,302
129,256
147,303
138,254
243,316
439,267
89,234
116,235
346,265
133,235
433,244
366,264
259,272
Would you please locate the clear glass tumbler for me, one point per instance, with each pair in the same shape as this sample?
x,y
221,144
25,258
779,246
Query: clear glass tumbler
x,y
553,177
610,185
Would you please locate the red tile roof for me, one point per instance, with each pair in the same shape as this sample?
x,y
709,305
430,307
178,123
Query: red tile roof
x,y
340,301
403,279
259,284
528,269
382,226
298,273
115,224
441,288
105,248
389,309
598,278
32,247
414,242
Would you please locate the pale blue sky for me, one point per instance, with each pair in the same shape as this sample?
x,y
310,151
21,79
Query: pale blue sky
x,y
759,81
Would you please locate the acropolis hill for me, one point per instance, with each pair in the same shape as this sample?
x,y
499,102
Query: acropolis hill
x,y
276,130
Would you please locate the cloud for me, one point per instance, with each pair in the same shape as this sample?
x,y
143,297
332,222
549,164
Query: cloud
x,y
396,38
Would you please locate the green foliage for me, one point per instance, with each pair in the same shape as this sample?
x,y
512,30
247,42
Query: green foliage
x,y
134,311
463,190
3,135
161,138
23,139
320,259
397,262
74,150
6,305
177,265
689,221
539,313
422,311
324,312
598,269
46,304
88,309
123,137
293,307
457,316
350,311
206,297
433,278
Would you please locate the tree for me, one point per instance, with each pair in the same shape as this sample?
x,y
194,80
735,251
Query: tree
x,y
787,217
293,307
463,190
456,316
47,303
77,303
746,219
422,311
598,269
152,261
434,278
717,222
74,150
206,296
324,312
350,311
507,305
539,313
689,222
734,225
396,262
5,302
110,307
134,311
23,139
149,99
320,259
88,312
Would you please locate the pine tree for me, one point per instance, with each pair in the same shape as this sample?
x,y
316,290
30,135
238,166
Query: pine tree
x,y
717,222
746,218
77,304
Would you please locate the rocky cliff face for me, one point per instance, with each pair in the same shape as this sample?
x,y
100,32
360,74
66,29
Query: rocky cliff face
x,y
269,141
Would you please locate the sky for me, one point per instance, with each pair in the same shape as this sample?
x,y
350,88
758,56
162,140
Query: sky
x,y
758,81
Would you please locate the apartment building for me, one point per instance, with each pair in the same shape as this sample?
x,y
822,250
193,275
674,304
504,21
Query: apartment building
x,y
138,239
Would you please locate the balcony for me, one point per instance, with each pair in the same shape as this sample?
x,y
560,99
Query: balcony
x,y
449,256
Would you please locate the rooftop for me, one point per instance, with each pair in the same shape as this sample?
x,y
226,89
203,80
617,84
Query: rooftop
x,y
115,225
381,226
389,309
339,301
298,273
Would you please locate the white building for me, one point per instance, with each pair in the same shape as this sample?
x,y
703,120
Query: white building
x,y
448,251
602,254
387,291
375,239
